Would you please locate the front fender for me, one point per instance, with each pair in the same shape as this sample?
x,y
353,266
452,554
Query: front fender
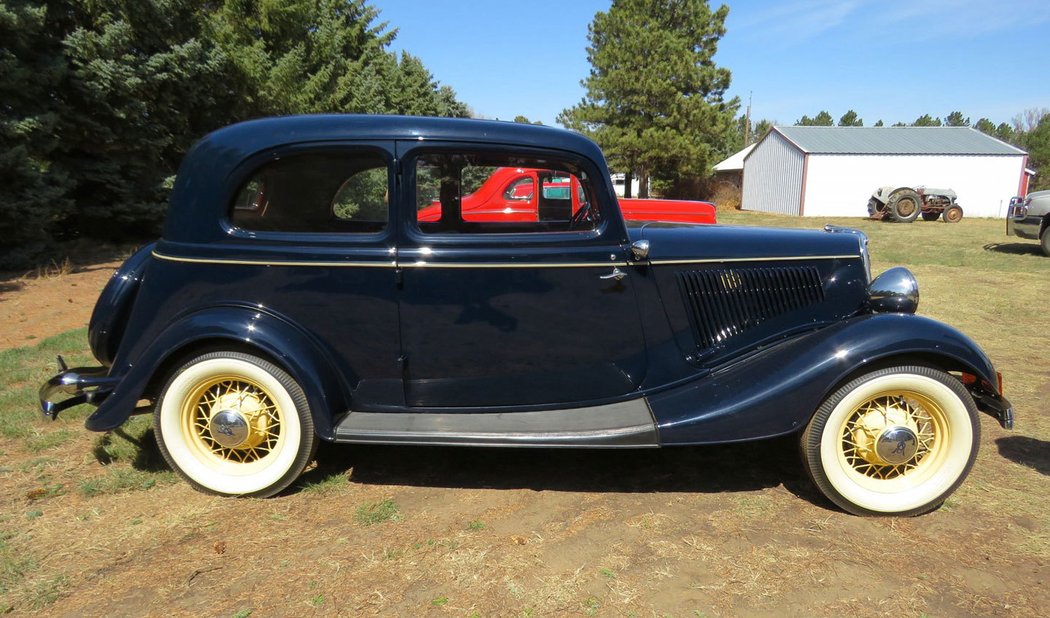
x,y
776,391
240,328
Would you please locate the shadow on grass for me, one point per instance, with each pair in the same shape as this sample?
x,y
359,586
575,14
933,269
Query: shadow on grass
x,y
709,469
1015,248
139,448
1030,452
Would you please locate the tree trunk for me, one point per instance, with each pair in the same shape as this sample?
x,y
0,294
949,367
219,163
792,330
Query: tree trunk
x,y
643,184
628,180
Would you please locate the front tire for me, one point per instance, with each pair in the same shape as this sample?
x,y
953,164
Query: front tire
x,y
1044,240
953,214
234,424
873,206
896,441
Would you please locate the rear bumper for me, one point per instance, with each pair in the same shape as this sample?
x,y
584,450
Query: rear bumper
x,y
73,387
995,405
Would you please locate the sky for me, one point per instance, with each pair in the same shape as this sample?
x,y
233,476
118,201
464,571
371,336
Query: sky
x,y
893,60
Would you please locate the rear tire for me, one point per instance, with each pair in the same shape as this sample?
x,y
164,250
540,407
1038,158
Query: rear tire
x,y
234,424
904,205
930,216
896,441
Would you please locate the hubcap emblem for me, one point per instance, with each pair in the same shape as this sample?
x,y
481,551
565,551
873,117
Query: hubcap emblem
x,y
897,445
229,428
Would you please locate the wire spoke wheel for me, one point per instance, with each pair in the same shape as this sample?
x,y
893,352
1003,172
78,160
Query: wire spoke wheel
x,y
895,441
233,420
905,421
234,424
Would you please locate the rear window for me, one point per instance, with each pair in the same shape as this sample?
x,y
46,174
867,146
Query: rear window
x,y
324,192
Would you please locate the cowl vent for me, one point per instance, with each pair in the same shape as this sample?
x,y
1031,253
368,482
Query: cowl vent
x,y
723,303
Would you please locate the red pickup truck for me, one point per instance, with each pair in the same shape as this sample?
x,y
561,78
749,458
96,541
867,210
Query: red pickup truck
x,y
510,195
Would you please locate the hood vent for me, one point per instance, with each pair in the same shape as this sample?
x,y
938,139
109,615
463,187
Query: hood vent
x,y
723,303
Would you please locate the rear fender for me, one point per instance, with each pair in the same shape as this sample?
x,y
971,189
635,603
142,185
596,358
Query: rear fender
x,y
114,304
239,328
776,391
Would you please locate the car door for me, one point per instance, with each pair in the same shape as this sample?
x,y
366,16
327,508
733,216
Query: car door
x,y
315,240
511,313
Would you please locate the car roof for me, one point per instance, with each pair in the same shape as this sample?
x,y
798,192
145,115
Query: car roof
x,y
202,191
255,135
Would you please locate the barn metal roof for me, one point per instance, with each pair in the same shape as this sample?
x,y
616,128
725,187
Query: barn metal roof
x,y
896,140
734,163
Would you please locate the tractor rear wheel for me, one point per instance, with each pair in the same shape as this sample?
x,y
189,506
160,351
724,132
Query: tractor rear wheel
x,y
930,216
905,205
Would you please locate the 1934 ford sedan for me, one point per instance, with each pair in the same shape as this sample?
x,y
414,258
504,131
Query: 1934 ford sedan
x,y
296,296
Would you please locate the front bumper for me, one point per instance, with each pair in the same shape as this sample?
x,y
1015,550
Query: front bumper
x,y
1019,223
72,387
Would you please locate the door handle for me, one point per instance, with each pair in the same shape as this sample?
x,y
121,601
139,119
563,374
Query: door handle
x,y
616,274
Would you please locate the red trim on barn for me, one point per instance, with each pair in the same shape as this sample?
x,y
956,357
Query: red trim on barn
x,y
1022,188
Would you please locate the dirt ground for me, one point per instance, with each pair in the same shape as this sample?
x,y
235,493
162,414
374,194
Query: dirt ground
x,y
716,531
38,306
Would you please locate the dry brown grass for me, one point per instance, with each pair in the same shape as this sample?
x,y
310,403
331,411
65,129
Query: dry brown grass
x,y
726,197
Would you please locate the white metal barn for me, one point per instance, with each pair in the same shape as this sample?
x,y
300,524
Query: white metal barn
x,y
832,171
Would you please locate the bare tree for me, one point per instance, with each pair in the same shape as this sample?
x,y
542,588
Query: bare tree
x,y
1029,119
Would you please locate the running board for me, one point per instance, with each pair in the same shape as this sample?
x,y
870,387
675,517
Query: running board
x,y
627,424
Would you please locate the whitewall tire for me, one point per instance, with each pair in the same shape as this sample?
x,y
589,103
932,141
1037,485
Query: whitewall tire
x,y
234,424
896,441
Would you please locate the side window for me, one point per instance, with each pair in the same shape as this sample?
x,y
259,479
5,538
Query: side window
x,y
492,194
520,189
335,191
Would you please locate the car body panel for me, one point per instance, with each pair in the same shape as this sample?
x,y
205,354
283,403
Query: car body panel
x,y
774,391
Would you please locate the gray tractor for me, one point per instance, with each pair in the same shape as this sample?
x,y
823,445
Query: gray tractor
x,y
906,204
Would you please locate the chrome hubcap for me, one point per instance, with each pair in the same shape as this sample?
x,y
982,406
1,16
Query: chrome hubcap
x,y
896,445
889,435
229,428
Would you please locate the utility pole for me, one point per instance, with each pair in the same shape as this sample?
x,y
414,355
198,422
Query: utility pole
x,y
747,122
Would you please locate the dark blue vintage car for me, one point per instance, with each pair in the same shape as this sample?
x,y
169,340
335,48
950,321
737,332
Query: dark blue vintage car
x,y
295,297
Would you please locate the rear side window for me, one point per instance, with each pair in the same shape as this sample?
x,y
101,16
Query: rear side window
x,y
323,192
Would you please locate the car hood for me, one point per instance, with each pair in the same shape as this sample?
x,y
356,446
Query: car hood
x,y
681,241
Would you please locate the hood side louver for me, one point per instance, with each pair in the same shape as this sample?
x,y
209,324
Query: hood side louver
x,y
725,302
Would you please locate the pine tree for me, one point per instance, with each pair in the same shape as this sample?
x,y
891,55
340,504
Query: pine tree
x,y
985,126
655,99
33,191
1037,143
823,119
850,119
143,85
926,121
956,119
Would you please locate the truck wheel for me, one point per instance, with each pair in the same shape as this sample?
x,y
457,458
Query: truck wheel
x,y
1044,240
930,216
234,424
896,441
905,205
953,214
